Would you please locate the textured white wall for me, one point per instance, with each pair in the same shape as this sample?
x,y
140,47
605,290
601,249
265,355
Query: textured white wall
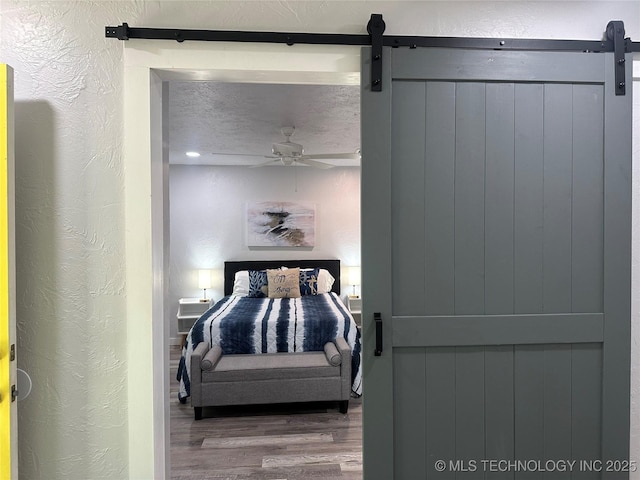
x,y
72,319
70,284
207,211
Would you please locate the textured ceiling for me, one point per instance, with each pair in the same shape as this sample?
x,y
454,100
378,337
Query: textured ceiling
x,y
237,123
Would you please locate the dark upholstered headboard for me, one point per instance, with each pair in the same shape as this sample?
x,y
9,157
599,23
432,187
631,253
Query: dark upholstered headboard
x,y
230,269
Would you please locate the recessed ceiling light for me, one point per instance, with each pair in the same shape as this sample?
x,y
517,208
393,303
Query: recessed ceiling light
x,y
192,154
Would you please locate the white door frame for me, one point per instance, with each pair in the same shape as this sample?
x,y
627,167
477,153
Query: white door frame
x,y
147,63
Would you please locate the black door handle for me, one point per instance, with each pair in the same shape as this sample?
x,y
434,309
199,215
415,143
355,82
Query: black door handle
x,y
378,319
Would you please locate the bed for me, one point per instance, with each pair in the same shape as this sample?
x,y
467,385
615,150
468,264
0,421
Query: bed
x,y
244,325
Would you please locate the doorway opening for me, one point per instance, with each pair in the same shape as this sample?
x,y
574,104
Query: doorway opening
x,y
228,128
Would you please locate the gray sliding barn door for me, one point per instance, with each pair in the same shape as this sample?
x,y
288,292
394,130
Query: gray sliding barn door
x,y
496,233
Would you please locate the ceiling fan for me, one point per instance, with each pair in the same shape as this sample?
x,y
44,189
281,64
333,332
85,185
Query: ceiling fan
x,y
289,153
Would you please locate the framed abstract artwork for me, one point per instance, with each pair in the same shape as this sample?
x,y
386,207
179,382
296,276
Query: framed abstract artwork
x,y
281,224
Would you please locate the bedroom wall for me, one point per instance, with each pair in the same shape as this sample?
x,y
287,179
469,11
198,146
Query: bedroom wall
x,y
71,306
208,220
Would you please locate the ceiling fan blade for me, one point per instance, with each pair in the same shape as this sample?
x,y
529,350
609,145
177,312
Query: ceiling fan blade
x,y
221,154
312,163
264,164
337,156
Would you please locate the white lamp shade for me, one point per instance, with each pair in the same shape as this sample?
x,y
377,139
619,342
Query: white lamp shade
x,y
354,275
204,278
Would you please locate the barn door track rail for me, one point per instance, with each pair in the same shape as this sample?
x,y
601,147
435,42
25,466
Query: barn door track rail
x,y
613,41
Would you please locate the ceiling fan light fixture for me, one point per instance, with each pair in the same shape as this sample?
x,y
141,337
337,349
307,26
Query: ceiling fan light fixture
x,y
287,149
289,153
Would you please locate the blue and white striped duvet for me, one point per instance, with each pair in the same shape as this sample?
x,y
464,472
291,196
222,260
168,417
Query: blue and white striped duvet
x,y
268,325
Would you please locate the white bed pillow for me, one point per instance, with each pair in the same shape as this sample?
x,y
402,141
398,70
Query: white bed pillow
x,y
325,281
241,284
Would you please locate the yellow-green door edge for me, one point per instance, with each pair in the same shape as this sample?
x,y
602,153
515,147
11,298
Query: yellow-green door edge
x,y
8,408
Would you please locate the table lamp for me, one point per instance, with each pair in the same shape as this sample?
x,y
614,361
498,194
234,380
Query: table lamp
x,y
204,282
354,279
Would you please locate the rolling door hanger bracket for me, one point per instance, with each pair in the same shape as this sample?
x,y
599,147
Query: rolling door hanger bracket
x,y
615,33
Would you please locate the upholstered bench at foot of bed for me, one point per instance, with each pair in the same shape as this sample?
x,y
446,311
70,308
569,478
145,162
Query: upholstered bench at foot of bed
x,y
218,379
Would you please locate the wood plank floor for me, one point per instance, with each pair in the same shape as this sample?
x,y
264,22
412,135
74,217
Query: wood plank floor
x,y
278,442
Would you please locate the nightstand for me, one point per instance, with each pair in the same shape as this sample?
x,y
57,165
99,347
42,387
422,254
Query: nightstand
x,y
354,305
190,310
